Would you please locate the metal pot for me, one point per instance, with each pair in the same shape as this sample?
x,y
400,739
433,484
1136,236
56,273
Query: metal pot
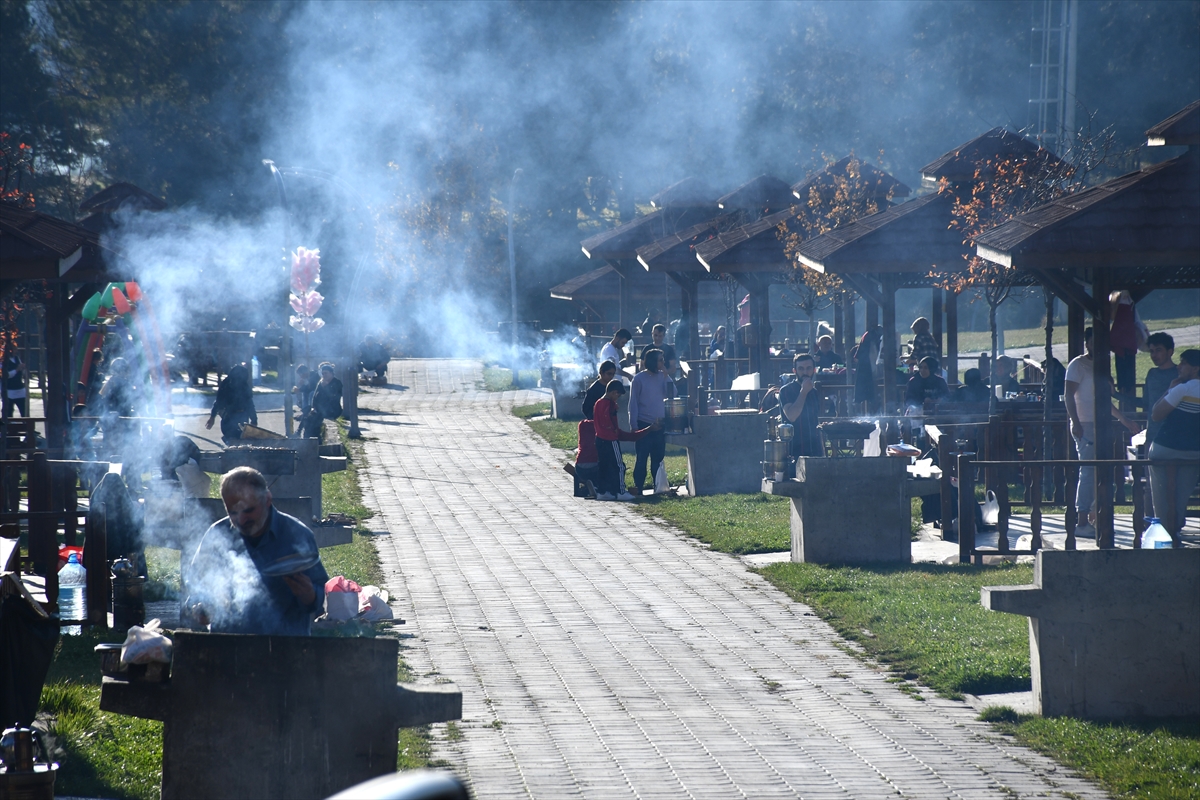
x,y
676,410
786,431
775,457
17,748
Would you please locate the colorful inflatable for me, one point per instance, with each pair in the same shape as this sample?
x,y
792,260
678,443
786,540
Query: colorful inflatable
x,y
122,309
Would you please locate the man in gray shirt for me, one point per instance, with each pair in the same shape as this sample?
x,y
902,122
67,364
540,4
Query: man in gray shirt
x,y
1158,379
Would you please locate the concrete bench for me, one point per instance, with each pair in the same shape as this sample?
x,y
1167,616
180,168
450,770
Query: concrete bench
x,y
1113,634
302,480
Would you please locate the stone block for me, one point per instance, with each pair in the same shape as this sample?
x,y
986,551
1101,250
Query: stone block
x,y
849,510
279,716
1113,634
724,452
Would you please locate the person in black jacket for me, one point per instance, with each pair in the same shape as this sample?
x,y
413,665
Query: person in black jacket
x,y
608,371
235,404
326,402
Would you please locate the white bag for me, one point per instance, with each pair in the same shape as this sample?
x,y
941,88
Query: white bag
x,y
660,479
373,604
144,644
991,510
194,480
341,605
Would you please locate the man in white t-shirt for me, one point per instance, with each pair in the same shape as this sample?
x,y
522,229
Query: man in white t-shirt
x,y
1079,396
614,351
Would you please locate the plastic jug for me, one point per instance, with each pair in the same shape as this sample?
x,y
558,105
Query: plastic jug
x,y
1155,537
255,371
72,573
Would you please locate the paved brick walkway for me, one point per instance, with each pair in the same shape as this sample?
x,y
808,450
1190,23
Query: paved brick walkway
x,y
600,654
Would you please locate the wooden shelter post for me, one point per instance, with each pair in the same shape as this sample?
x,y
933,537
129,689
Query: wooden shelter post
x,y
888,284
1075,326
1101,376
839,317
935,320
872,314
951,364
54,401
689,288
849,337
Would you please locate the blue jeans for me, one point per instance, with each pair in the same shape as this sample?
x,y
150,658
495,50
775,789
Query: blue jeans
x,y
1172,510
1085,493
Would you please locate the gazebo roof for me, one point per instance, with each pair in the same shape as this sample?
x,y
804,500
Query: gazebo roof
x,y
1148,219
763,192
604,284
912,237
876,183
36,246
961,163
120,195
687,193
677,252
749,248
1181,128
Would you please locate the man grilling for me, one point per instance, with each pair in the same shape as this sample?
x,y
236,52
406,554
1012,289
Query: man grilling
x,y
800,404
257,570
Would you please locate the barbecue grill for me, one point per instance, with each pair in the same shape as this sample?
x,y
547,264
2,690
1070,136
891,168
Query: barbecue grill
x,y
844,439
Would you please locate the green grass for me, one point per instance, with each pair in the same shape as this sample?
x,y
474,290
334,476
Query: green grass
x,y
975,342
729,523
499,379
1159,761
561,434
925,620
533,410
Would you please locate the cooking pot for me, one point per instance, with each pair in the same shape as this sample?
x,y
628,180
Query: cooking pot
x,y
676,410
16,748
775,457
786,431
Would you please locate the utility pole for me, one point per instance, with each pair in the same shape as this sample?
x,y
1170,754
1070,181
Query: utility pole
x,y
512,269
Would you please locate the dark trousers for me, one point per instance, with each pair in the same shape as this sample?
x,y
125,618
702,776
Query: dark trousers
x,y
19,403
653,446
612,467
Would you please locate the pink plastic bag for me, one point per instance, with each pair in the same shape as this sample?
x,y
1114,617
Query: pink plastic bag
x,y
341,584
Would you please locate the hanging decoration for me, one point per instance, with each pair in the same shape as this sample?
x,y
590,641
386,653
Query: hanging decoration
x,y
305,299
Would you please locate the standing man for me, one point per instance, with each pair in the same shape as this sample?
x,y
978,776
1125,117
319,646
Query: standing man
x,y
658,336
234,403
651,387
1159,378
800,404
1080,398
1178,439
614,351
258,570
923,343
15,395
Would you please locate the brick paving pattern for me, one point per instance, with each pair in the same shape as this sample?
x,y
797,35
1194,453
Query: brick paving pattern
x,y
601,654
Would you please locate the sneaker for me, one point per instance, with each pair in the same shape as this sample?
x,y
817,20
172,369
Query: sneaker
x,y
626,497
605,496
1085,530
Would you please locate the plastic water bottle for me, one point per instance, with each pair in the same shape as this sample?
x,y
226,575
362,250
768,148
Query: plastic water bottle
x,y
72,573
255,370
72,604
1155,537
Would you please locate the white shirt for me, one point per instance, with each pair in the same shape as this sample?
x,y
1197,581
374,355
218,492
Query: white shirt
x,y
1080,371
610,353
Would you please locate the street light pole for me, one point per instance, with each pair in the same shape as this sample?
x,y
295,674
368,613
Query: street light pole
x,y
512,270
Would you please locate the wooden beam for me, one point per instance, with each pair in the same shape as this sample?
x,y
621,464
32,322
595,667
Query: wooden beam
x,y
951,364
1101,383
866,286
1066,288
890,350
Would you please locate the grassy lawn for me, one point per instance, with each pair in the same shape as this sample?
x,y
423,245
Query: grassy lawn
x,y
731,523
499,379
975,342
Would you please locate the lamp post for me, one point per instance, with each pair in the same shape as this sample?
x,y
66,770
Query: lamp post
x,y
512,270
284,370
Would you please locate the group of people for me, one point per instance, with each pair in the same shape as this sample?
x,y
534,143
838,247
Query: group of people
x,y
600,465
1171,399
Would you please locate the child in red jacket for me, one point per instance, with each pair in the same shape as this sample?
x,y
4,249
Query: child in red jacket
x,y
587,463
608,444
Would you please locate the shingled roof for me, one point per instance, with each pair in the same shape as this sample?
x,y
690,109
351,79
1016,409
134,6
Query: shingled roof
x,y
677,252
911,237
36,246
763,192
1181,128
750,248
687,193
961,163
1149,218
874,182
121,195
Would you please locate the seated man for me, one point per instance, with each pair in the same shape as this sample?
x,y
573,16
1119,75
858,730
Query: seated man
x,y
373,359
825,356
326,403
1004,374
257,570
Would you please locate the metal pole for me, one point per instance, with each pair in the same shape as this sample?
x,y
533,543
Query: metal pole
x,y
512,270
285,371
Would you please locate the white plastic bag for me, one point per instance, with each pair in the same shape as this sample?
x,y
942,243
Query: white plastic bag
x,y
372,604
195,481
146,644
341,605
660,479
991,510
